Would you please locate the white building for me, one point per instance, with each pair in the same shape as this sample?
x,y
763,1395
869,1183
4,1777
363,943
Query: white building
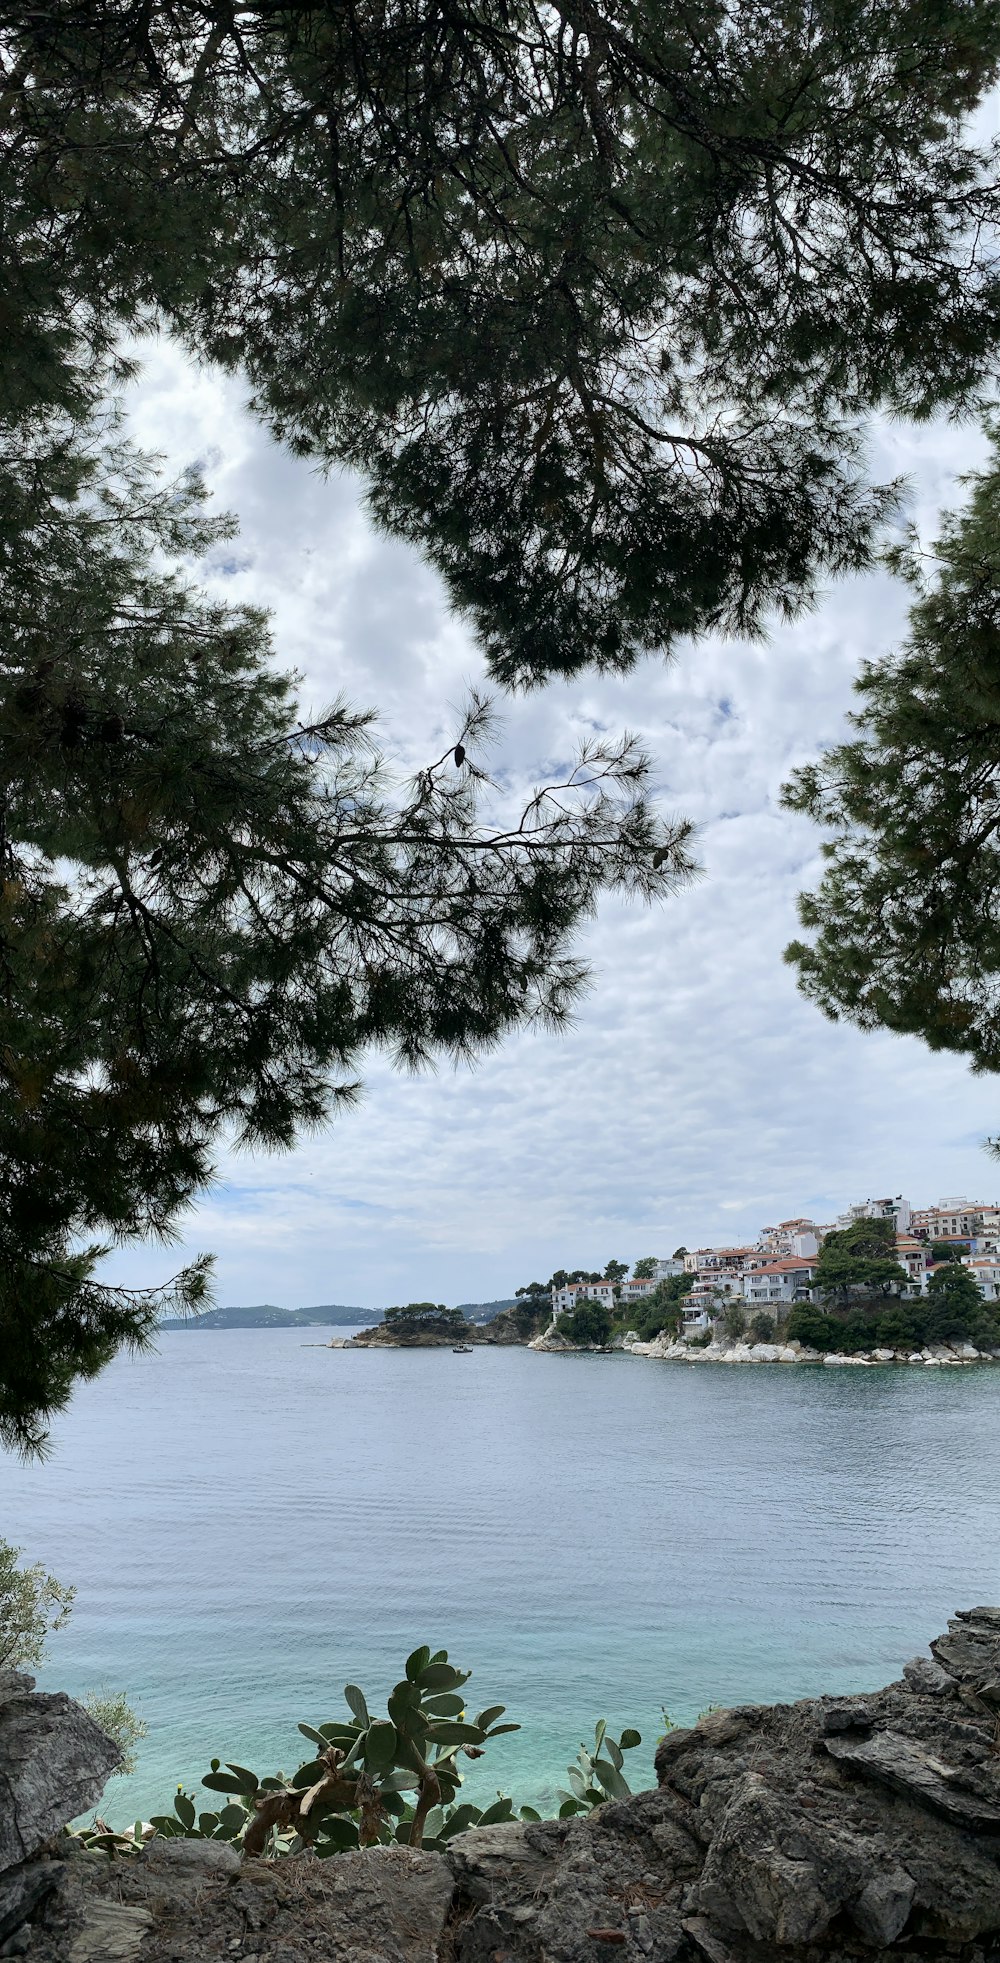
x,y
790,1239
668,1270
986,1269
955,1219
897,1210
635,1291
575,1291
779,1284
718,1260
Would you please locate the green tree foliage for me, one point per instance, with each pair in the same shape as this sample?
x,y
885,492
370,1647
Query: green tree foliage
x,y
645,1268
550,282
32,1605
616,1271
426,1318
662,1309
210,913
812,1327
587,1323
947,1251
113,1712
954,1303
596,300
952,1311
763,1328
901,1327
734,1320
905,926
859,1260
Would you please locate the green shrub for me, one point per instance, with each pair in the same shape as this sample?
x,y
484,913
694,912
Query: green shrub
x,y
734,1321
984,1329
596,1775
856,1333
32,1605
811,1326
589,1322
897,1328
762,1329
954,1304
354,1793
113,1712
661,1311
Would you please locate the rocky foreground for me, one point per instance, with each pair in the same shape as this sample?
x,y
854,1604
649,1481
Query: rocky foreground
x,y
839,1828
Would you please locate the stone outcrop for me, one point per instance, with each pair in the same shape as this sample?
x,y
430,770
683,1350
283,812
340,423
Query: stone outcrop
x,y
385,1337
861,1829
668,1349
509,1327
517,1325
54,1762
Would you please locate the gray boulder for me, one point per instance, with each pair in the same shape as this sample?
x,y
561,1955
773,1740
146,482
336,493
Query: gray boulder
x,y
54,1763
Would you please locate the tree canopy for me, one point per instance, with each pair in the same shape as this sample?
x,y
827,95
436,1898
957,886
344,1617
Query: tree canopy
x,y
588,1322
597,297
597,302
905,925
859,1260
210,913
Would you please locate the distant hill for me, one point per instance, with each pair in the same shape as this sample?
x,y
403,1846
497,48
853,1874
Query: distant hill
x,y
265,1315
485,1311
325,1315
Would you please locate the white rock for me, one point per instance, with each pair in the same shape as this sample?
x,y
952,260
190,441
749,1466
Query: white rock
x,y
884,1356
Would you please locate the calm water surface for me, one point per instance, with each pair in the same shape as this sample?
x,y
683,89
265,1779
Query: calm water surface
x,y
251,1522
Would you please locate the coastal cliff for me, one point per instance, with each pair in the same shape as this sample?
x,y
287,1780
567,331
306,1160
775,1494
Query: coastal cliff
x,y
846,1829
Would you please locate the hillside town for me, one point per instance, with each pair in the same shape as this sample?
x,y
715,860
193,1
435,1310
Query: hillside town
x,y
778,1270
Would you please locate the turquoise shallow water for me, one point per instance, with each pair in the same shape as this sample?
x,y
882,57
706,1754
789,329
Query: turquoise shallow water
x,y
251,1522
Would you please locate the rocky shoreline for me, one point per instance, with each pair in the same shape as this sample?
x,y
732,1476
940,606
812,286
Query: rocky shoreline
x,y
845,1829
666,1349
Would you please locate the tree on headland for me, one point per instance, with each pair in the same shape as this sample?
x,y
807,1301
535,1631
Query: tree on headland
x,y
587,1323
645,1269
424,1319
954,1303
615,1271
859,1261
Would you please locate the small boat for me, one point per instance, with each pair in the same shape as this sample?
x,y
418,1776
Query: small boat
x,y
462,1349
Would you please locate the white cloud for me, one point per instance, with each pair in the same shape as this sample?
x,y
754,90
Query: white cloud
x,y
698,1094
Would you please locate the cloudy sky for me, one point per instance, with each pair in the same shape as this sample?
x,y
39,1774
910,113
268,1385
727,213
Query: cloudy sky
x,y
698,1095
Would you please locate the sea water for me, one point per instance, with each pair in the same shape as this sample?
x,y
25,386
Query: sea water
x,y
252,1520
